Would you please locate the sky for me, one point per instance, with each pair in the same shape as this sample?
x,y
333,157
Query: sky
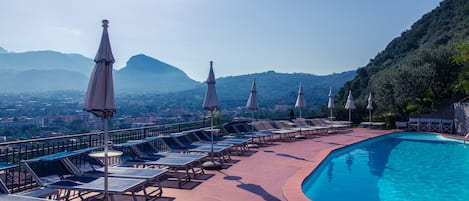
x,y
240,36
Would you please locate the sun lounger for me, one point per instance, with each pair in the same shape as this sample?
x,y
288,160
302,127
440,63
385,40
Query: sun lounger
x,y
6,196
266,127
200,136
54,171
134,158
221,151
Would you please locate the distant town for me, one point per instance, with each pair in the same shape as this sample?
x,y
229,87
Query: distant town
x,y
36,115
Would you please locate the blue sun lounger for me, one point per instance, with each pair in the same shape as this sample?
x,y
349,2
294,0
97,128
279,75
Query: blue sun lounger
x,y
201,136
6,196
132,158
221,151
56,171
152,176
146,149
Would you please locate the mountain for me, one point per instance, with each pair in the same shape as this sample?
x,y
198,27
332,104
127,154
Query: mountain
x,y
272,89
42,80
3,51
146,74
416,72
45,60
43,71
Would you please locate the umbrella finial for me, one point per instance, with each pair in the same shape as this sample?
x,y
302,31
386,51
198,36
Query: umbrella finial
x,y
211,64
105,23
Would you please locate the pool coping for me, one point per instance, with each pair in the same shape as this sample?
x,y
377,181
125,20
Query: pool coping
x,y
292,189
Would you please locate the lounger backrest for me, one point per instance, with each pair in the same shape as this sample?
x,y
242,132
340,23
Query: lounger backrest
x,y
202,135
48,172
267,125
242,128
3,188
171,143
283,124
182,139
258,126
230,129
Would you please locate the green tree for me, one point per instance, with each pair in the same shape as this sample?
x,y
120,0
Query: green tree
x,y
462,58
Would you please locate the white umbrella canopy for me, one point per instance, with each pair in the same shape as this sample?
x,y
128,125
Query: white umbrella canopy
x,y
252,100
330,103
300,100
99,98
211,100
211,104
350,105
370,105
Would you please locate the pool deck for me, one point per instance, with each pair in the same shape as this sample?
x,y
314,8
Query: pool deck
x,y
273,172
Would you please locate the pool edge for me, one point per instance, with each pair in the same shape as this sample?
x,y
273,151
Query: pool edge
x,y
292,189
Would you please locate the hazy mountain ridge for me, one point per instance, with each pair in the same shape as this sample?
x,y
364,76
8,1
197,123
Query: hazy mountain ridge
x,y
272,89
45,60
146,74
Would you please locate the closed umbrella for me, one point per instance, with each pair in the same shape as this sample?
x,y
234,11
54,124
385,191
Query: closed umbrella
x,y
370,105
252,100
300,103
300,100
350,105
330,103
99,98
211,104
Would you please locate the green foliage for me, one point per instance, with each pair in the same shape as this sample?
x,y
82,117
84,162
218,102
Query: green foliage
x,y
416,69
463,58
424,81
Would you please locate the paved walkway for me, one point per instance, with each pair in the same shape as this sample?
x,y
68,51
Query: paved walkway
x,y
263,173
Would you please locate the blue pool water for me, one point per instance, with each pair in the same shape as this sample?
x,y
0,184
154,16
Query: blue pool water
x,y
397,167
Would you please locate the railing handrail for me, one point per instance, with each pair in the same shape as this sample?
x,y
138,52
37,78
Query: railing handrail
x,y
17,179
92,133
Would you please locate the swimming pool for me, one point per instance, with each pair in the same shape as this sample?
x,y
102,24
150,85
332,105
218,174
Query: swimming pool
x,y
400,166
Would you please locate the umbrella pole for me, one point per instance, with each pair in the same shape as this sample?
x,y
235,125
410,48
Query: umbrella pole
x,y
350,117
211,135
106,161
252,121
370,118
300,113
212,164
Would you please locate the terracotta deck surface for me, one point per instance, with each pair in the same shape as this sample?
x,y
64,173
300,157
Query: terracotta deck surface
x,y
272,172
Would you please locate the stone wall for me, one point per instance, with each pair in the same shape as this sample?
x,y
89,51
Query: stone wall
x,y
461,118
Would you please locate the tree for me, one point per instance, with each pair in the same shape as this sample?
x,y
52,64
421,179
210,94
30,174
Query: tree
x,y
424,81
462,58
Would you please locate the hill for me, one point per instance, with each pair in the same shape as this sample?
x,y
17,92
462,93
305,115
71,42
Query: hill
x,y
416,72
43,71
272,89
44,60
146,74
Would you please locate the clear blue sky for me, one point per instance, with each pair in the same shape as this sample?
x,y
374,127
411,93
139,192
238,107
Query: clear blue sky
x,y
240,36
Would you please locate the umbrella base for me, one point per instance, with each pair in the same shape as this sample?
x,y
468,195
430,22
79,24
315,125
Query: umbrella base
x,y
253,145
212,165
300,137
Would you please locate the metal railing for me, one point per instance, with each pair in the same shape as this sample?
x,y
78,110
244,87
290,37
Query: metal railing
x,y
12,153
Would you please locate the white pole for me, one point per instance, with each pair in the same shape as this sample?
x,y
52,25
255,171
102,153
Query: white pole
x,y
106,161
211,135
350,116
370,118
252,121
